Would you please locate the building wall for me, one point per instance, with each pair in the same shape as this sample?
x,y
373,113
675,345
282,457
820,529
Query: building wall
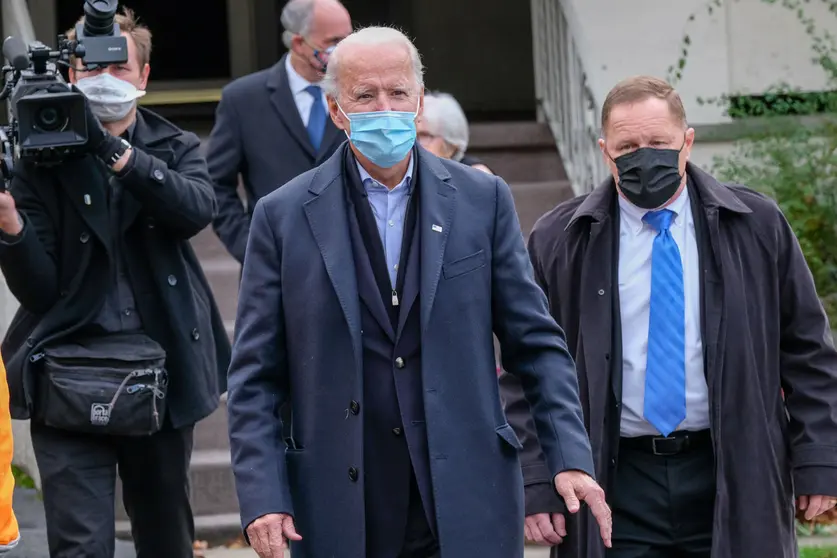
x,y
744,47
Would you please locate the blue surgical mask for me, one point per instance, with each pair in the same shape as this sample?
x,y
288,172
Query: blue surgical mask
x,y
384,137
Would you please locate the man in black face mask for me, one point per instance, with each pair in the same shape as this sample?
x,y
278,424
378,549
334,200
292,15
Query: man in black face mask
x,y
688,307
273,125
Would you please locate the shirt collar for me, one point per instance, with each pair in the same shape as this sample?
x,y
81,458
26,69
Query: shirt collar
x,y
369,182
296,82
632,215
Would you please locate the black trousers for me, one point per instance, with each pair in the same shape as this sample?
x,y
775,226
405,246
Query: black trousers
x,y
419,541
663,506
78,473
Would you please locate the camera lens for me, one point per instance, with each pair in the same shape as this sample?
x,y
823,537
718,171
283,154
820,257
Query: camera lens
x,y
98,17
50,119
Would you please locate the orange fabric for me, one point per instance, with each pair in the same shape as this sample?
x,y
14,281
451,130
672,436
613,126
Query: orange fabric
x,y
9,531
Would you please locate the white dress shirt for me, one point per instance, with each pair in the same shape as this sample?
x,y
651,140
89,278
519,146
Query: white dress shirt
x,y
636,240
303,99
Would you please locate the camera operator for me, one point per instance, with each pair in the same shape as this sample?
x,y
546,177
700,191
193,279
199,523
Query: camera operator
x,y
97,248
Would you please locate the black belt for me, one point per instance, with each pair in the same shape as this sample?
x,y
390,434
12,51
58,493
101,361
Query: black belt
x,y
678,442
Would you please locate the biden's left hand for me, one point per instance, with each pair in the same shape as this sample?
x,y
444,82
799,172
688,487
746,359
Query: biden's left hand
x,y
816,505
576,486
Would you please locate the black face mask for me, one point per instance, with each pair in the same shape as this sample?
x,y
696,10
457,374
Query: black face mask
x,y
649,177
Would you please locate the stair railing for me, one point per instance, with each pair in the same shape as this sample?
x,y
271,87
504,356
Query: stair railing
x,y
565,100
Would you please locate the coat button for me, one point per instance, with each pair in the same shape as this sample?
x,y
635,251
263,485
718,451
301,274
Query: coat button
x,y
158,175
399,362
601,292
352,474
172,280
151,223
396,431
354,407
196,334
84,237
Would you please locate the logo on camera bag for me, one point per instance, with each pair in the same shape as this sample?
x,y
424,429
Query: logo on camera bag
x,y
99,414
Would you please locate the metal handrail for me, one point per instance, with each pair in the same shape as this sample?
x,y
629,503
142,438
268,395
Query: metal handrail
x,y
565,99
17,21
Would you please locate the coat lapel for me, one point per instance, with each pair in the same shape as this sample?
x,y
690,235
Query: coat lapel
x,y
597,283
327,214
153,140
283,101
91,202
714,198
438,205
367,285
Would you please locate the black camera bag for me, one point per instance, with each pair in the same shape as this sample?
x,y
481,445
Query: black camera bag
x,y
114,384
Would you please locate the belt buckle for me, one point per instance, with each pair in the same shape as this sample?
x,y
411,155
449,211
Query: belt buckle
x,y
655,451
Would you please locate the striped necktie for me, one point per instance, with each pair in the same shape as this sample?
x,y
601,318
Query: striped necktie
x,y
665,372
317,117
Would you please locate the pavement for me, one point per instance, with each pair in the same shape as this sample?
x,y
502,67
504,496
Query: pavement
x,y
29,509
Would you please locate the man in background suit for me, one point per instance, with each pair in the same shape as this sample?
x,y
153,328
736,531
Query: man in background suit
x,y
272,125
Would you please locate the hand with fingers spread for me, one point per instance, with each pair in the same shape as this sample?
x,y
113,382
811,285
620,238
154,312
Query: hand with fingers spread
x,y
545,528
271,534
814,506
577,486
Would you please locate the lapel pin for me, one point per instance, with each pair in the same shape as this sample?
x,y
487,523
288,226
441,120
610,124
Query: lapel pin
x,y
86,199
436,228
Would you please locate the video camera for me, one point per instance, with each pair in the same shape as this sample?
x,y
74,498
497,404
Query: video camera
x,y
47,121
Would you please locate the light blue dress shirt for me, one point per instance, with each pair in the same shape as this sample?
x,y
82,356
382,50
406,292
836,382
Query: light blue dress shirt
x,y
390,210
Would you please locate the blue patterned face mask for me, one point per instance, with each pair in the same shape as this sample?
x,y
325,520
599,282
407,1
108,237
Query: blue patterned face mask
x,y
384,137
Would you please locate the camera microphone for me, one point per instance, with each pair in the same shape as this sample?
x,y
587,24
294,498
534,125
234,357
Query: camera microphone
x,y
16,52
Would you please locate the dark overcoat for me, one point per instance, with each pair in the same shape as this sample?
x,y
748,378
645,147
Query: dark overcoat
x,y
764,330
298,339
59,270
259,135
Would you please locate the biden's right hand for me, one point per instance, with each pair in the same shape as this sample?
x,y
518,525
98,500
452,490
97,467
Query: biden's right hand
x,y
271,534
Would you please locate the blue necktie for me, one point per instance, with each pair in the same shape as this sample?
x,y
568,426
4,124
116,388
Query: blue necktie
x,y
665,372
317,117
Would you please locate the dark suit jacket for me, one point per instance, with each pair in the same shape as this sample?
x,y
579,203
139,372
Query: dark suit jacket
x,y
298,338
258,134
763,329
60,266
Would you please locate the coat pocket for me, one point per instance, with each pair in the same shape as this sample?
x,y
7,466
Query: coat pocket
x,y
464,265
506,432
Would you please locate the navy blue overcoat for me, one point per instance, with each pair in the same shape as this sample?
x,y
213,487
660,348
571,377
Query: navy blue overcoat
x,y
298,338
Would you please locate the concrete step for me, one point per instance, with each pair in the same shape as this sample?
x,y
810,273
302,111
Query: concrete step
x,y
223,275
207,246
211,432
517,151
533,199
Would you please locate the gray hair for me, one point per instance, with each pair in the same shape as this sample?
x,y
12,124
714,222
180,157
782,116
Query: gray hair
x,y
445,118
296,19
371,36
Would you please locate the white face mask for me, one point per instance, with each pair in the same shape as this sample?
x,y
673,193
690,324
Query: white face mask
x,y
111,99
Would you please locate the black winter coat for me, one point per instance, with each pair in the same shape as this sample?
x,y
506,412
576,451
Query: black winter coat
x,y
59,268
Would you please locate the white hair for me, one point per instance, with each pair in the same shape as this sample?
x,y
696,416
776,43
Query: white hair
x,y
371,36
296,19
445,118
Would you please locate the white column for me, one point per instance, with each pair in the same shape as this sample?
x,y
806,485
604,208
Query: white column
x,y
24,456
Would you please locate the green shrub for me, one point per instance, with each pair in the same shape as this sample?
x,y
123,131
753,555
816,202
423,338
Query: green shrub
x,y
797,167
794,163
